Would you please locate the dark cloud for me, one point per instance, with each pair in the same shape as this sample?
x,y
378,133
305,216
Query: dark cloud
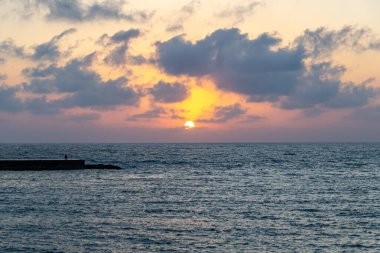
x,y
40,72
158,112
180,57
239,12
125,36
351,95
190,7
9,102
169,92
369,113
65,10
262,70
323,42
84,87
9,48
102,95
77,85
82,11
150,114
119,42
45,51
138,60
252,118
117,56
2,61
41,105
50,50
177,113
185,13
322,86
235,62
3,77
312,112
174,27
84,117
375,45
225,113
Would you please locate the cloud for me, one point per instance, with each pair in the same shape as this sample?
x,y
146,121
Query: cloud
x,y
84,87
312,112
2,61
174,27
41,105
252,118
8,100
139,60
3,77
9,48
150,114
322,42
223,114
45,51
322,86
125,36
351,95
190,7
83,11
75,85
176,113
369,113
185,13
50,50
11,102
84,117
120,42
239,12
102,95
235,63
169,92
117,55
262,70
158,112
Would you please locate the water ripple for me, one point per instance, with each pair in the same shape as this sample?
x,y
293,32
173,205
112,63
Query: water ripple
x,y
194,198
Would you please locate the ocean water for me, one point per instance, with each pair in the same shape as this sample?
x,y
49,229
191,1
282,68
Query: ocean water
x,y
194,198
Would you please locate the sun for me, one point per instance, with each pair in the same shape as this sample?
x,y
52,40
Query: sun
x,y
189,125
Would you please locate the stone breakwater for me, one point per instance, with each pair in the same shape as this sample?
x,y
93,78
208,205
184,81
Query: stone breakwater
x,y
57,164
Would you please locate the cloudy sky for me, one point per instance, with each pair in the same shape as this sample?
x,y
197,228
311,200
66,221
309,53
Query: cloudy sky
x,y
242,70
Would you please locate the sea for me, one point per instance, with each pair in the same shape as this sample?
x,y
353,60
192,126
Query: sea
x,y
269,197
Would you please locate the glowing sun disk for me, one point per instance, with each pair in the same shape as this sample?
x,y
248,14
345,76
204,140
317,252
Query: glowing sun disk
x,y
189,125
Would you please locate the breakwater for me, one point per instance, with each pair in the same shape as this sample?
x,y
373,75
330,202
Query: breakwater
x,y
51,164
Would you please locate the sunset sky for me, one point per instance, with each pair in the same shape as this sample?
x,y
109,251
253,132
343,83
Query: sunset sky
x,y
242,71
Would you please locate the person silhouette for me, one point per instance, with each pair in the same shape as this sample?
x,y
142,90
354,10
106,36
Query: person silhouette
x,y
65,157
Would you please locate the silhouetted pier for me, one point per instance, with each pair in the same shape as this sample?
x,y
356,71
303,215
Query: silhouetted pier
x,y
51,164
